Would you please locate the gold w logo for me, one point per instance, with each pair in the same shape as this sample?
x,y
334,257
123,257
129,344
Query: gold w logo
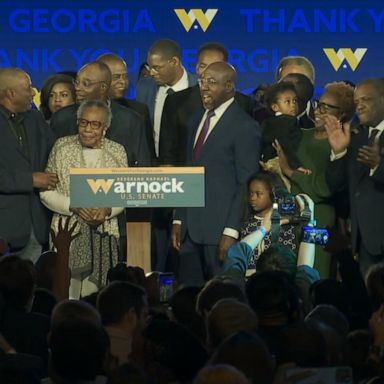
x,y
99,185
204,19
352,58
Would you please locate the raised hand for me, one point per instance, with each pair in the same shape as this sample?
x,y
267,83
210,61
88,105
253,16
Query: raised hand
x,y
339,135
65,234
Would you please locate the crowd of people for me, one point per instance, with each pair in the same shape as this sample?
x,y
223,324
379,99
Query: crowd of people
x,y
253,301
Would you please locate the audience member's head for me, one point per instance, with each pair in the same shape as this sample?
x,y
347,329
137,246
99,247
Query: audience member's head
x,y
125,304
93,82
333,292
57,92
331,316
374,280
176,350
295,64
78,350
17,282
119,73
302,344
16,91
68,310
278,258
228,316
356,354
273,296
249,354
183,305
45,269
216,289
128,373
282,98
219,374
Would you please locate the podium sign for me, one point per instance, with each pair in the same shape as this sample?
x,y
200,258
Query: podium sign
x,y
137,187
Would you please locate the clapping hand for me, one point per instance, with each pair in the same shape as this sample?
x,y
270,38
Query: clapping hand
x,y
339,135
370,154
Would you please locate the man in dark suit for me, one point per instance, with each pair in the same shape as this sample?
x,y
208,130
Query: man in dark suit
x,y
25,144
167,75
179,107
357,161
226,141
127,127
119,86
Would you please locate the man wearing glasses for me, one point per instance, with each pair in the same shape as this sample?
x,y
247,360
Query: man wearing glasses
x,y
357,162
167,75
178,108
93,82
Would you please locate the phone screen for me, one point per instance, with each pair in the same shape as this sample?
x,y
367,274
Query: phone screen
x,y
315,235
166,281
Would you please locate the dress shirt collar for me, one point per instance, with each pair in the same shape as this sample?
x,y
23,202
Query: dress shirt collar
x,y
181,84
219,111
379,127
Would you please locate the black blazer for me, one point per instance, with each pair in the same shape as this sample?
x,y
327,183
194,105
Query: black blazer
x,y
143,111
20,206
127,128
177,111
366,193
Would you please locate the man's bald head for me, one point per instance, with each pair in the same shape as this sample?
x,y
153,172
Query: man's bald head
x,y
9,77
16,92
226,70
119,73
217,84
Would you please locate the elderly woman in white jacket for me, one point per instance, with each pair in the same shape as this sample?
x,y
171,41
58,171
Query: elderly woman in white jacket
x,y
88,149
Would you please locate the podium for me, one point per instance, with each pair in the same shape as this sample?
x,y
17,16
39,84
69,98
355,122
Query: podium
x,y
138,226
138,190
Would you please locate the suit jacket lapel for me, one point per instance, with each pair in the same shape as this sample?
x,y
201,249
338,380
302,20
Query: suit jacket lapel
x,y
193,125
216,131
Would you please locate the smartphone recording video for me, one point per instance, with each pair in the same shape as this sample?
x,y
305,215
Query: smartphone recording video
x,y
166,281
314,235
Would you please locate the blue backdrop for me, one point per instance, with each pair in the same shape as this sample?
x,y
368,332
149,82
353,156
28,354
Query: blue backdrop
x,y
343,39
